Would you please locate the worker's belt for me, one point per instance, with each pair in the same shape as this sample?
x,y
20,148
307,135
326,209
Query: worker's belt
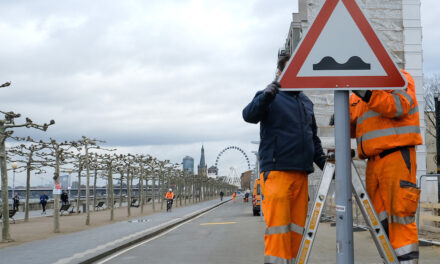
x,y
387,152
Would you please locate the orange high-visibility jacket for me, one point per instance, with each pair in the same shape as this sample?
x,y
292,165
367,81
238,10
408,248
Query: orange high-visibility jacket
x,y
390,119
169,195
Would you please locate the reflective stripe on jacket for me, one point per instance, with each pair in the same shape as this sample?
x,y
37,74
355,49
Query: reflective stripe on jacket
x,y
390,119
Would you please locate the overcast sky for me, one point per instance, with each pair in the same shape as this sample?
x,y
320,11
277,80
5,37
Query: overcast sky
x,y
154,77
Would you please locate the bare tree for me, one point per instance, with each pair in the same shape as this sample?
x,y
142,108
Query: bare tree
x,y
7,126
88,144
432,88
27,151
109,161
58,155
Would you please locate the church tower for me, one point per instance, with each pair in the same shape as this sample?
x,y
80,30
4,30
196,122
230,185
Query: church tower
x,y
203,168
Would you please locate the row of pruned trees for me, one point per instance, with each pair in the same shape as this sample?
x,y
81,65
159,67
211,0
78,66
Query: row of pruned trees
x,y
86,155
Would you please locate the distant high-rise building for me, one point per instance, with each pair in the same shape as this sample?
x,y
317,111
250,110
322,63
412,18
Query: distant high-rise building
x,y
203,168
188,164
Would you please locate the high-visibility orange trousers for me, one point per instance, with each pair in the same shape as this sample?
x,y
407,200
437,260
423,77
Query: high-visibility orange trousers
x,y
285,200
391,184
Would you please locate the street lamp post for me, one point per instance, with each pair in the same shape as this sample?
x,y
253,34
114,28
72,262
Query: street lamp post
x,y
14,167
69,186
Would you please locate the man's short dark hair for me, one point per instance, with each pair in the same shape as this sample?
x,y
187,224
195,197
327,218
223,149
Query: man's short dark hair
x,y
283,57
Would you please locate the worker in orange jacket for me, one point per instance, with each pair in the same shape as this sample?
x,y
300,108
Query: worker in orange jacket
x,y
386,126
233,197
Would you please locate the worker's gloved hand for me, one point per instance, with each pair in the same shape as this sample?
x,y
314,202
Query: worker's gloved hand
x,y
321,162
365,95
272,90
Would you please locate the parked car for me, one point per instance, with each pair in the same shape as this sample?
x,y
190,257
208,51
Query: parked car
x,y
256,198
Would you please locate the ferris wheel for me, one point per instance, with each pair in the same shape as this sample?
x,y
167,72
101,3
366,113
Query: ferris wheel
x,y
233,177
232,148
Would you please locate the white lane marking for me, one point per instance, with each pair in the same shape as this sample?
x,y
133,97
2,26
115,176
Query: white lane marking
x,y
101,247
146,241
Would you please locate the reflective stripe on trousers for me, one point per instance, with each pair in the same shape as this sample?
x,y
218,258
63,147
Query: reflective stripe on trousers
x,y
391,185
277,260
285,210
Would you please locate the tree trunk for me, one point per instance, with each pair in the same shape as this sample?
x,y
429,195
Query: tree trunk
x,y
185,190
56,196
28,190
94,189
6,236
153,186
141,189
193,188
180,190
128,193
87,185
120,188
78,199
161,191
110,186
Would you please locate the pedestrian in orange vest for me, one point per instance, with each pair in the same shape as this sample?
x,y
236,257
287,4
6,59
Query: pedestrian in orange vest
x,y
288,147
233,197
386,126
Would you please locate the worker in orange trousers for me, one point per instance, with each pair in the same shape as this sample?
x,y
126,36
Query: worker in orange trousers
x,y
289,146
386,126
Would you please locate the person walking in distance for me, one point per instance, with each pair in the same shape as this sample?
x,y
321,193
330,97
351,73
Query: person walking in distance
x,y
233,196
15,202
64,198
386,126
43,202
288,147
221,195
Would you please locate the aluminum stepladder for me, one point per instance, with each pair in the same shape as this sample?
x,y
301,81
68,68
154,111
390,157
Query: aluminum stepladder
x,y
375,227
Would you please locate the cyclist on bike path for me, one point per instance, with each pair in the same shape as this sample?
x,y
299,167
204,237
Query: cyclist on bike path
x,y
170,196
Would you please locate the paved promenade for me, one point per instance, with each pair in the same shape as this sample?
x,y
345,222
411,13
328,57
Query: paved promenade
x,y
84,245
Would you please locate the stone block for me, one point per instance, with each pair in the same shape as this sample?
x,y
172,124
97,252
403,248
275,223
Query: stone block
x,y
379,23
413,36
383,4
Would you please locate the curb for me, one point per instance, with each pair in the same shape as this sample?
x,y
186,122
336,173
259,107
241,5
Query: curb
x,y
148,236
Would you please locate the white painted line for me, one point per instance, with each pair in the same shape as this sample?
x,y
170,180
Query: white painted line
x,y
120,240
146,241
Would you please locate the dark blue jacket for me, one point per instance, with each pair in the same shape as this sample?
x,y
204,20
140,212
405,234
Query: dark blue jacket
x,y
288,131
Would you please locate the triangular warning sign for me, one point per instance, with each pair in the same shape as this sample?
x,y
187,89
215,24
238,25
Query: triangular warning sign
x,y
341,51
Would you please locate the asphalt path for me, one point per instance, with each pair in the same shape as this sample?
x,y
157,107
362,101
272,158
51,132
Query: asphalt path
x,y
230,234
227,234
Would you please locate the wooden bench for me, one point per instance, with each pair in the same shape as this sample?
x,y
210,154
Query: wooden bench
x,y
11,215
133,203
64,208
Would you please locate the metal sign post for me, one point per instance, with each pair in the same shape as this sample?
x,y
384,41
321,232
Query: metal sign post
x,y
344,214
